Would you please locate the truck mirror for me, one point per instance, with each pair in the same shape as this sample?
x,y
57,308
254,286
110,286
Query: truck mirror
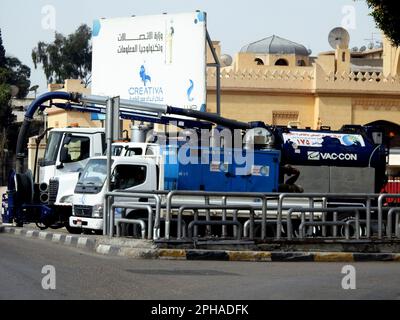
x,y
112,182
64,156
67,139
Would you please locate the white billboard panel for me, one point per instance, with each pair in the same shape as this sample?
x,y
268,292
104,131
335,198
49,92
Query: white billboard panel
x,y
158,59
315,139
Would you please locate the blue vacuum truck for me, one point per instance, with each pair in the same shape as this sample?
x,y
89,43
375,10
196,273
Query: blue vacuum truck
x,y
49,202
352,159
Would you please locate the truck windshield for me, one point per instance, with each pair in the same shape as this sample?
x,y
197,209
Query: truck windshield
x,y
53,145
94,174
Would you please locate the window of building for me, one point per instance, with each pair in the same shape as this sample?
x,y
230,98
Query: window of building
x,y
284,118
281,62
301,63
259,61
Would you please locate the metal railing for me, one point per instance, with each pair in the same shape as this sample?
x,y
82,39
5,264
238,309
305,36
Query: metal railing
x,y
109,217
231,209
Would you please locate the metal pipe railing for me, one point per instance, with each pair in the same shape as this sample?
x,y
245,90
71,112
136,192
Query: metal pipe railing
x,y
319,196
261,196
380,209
392,211
142,224
321,223
206,207
138,206
135,194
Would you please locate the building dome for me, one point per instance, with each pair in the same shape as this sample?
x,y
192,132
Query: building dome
x,y
276,45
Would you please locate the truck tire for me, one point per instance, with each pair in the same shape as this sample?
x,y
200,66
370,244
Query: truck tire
x,y
348,217
134,230
41,225
24,187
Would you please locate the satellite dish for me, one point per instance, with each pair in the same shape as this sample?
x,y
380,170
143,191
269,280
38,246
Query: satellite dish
x,y
354,49
226,60
14,91
370,45
34,88
339,37
363,48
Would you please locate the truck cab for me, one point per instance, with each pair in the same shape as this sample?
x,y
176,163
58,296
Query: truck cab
x,y
68,151
128,173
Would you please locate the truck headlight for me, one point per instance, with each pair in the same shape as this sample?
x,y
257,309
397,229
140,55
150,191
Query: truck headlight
x,y
67,199
97,211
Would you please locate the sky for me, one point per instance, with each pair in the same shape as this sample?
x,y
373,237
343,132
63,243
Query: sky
x,y
235,23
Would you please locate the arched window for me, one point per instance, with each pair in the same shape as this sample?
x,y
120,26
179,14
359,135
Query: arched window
x,y
259,61
301,63
281,62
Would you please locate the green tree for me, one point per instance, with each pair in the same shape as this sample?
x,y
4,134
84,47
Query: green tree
x,y
12,73
2,53
18,75
66,57
6,115
386,16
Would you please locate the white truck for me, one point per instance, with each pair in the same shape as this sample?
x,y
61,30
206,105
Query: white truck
x,y
67,152
128,173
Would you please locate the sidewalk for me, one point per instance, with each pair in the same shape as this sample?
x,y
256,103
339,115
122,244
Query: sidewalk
x,y
146,249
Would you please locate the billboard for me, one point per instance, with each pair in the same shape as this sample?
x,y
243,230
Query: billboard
x,y
159,59
316,139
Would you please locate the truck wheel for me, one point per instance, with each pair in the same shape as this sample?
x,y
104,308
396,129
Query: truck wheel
x,y
24,187
41,225
134,230
352,229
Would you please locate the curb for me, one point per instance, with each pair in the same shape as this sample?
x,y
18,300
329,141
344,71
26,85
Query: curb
x,y
80,242
99,247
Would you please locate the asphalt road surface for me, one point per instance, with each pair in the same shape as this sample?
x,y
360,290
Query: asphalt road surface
x,y
82,275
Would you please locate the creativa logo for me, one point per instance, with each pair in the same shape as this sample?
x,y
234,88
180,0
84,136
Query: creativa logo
x,y
145,77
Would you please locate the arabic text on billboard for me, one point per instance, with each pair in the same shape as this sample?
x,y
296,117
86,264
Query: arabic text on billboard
x,y
158,59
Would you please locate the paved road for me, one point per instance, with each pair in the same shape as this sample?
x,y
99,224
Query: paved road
x,y
82,275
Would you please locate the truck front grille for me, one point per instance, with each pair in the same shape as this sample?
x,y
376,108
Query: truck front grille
x,y
83,211
53,190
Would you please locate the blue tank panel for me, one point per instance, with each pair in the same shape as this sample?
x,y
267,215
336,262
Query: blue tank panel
x,y
222,170
171,169
330,148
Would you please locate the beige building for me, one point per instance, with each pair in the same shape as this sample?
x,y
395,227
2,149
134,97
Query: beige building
x,y
277,81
